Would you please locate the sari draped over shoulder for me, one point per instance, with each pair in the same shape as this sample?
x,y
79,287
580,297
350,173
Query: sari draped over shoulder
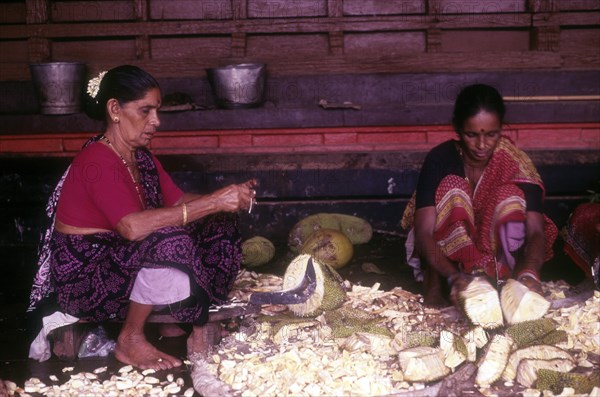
x,y
483,229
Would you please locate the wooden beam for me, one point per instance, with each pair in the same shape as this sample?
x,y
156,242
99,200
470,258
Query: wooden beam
x,y
275,25
37,11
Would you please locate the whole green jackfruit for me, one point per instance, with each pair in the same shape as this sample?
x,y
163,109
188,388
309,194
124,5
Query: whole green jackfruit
x,y
358,230
257,251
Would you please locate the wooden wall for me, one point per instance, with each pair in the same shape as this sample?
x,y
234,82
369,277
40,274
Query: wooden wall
x,y
180,38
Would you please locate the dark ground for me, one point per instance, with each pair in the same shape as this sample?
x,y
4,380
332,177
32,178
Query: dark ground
x,y
385,251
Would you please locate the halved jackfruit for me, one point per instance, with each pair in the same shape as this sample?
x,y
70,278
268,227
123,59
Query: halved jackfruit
x,y
494,360
519,303
481,304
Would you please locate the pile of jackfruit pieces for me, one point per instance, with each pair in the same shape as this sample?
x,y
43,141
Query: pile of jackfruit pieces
x,y
392,344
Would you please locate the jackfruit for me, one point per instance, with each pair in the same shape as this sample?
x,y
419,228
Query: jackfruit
x,y
554,338
528,332
494,360
329,293
309,287
422,364
330,247
414,339
519,303
556,381
358,230
454,348
481,304
528,369
257,251
537,352
347,321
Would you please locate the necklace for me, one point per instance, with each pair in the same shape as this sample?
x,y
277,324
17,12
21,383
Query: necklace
x,y
126,164
473,180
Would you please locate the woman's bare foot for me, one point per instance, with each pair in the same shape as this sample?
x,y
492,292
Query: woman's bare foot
x,y
171,330
203,338
133,348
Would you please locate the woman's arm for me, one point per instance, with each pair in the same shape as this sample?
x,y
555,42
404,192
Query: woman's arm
x,y
138,225
534,251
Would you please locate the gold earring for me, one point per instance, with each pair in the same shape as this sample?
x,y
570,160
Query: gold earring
x,y
116,119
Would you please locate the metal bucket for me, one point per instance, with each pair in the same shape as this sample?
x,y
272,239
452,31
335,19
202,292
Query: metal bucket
x,y
58,86
238,86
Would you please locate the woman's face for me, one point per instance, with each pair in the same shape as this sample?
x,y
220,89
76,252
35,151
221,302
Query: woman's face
x,y
139,119
479,137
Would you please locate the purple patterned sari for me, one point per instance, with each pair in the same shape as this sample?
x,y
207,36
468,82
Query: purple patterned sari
x,y
92,275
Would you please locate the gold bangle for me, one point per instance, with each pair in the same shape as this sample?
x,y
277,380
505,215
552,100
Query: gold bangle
x,y
184,214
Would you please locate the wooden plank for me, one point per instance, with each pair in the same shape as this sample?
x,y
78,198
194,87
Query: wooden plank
x,y
570,19
390,43
284,46
14,51
578,5
88,11
275,25
12,13
480,41
580,41
97,51
471,7
286,9
164,10
384,7
178,48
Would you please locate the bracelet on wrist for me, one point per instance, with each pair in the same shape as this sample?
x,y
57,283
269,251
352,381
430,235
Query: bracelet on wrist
x,y
184,214
528,273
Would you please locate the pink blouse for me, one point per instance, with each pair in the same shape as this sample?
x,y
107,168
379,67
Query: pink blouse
x,y
99,191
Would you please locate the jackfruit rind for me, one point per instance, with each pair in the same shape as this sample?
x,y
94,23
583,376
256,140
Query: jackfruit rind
x,y
519,303
422,364
422,339
554,338
358,230
328,294
556,381
494,360
528,369
257,251
481,304
527,333
345,331
537,352
346,321
330,247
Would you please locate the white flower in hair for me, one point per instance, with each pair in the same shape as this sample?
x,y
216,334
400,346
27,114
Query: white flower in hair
x,y
94,85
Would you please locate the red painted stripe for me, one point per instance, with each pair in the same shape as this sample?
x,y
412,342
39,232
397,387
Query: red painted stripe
x,y
312,140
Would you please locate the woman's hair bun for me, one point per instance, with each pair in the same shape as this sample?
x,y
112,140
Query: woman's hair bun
x,y
124,83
